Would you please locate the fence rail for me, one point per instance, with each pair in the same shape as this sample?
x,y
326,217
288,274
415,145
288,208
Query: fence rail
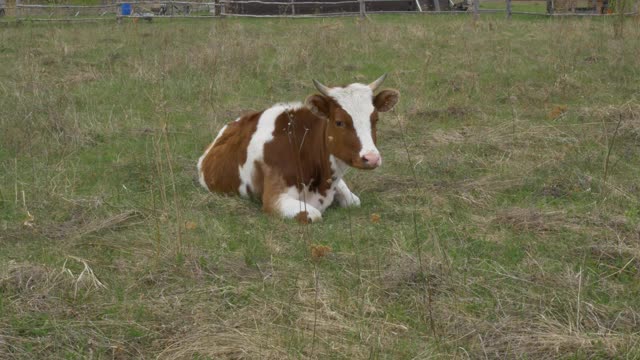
x,y
149,9
61,6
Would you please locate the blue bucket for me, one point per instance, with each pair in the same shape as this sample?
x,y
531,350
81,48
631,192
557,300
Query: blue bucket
x,y
125,9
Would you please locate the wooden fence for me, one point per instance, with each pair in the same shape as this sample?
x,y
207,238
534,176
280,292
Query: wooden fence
x,y
148,10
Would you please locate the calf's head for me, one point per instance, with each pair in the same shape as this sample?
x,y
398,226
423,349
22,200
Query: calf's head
x,y
351,113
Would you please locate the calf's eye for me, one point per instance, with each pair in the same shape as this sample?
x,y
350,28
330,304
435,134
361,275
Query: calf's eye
x,y
340,123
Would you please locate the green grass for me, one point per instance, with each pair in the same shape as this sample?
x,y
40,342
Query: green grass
x,y
497,237
516,6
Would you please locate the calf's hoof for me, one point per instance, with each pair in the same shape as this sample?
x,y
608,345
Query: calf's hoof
x,y
308,216
351,200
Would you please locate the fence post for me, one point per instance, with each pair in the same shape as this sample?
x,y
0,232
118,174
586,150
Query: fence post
x,y
18,10
293,8
362,9
436,5
476,9
508,9
550,7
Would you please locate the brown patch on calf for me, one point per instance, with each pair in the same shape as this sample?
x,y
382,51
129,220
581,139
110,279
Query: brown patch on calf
x,y
220,166
273,186
345,145
298,151
374,127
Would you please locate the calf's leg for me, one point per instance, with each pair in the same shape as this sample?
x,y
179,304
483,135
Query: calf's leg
x,y
344,196
277,198
289,207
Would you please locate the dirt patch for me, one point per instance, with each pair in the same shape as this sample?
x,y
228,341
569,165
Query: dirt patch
x,y
25,277
34,287
388,184
440,136
80,224
530,220
453,112
403,273
612,255
81,77
628,115
554,190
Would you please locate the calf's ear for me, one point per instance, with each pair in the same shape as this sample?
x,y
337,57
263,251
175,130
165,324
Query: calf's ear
x,y
386,100
319,105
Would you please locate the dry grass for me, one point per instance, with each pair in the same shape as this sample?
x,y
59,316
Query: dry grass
x,y
81,225
42,289
229,340
528,220
548,338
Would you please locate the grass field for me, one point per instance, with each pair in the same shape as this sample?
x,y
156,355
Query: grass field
x,y
504,222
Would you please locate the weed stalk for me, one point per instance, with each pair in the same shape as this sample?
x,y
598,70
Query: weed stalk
x,y
610,147
427,300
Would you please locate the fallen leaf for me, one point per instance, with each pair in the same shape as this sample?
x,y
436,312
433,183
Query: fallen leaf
x,y
375,218
319,251
190,225
557,112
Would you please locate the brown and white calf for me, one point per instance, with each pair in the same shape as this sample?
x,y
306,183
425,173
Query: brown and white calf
x,y
293,156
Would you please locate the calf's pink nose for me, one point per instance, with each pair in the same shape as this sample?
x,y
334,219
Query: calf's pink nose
x,y
372,159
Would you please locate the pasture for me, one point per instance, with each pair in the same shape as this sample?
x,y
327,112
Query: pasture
x,y
503,223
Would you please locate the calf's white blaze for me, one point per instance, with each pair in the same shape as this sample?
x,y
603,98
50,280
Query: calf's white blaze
x,y
357,101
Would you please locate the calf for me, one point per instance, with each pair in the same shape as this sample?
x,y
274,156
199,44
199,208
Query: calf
x,y
293,156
